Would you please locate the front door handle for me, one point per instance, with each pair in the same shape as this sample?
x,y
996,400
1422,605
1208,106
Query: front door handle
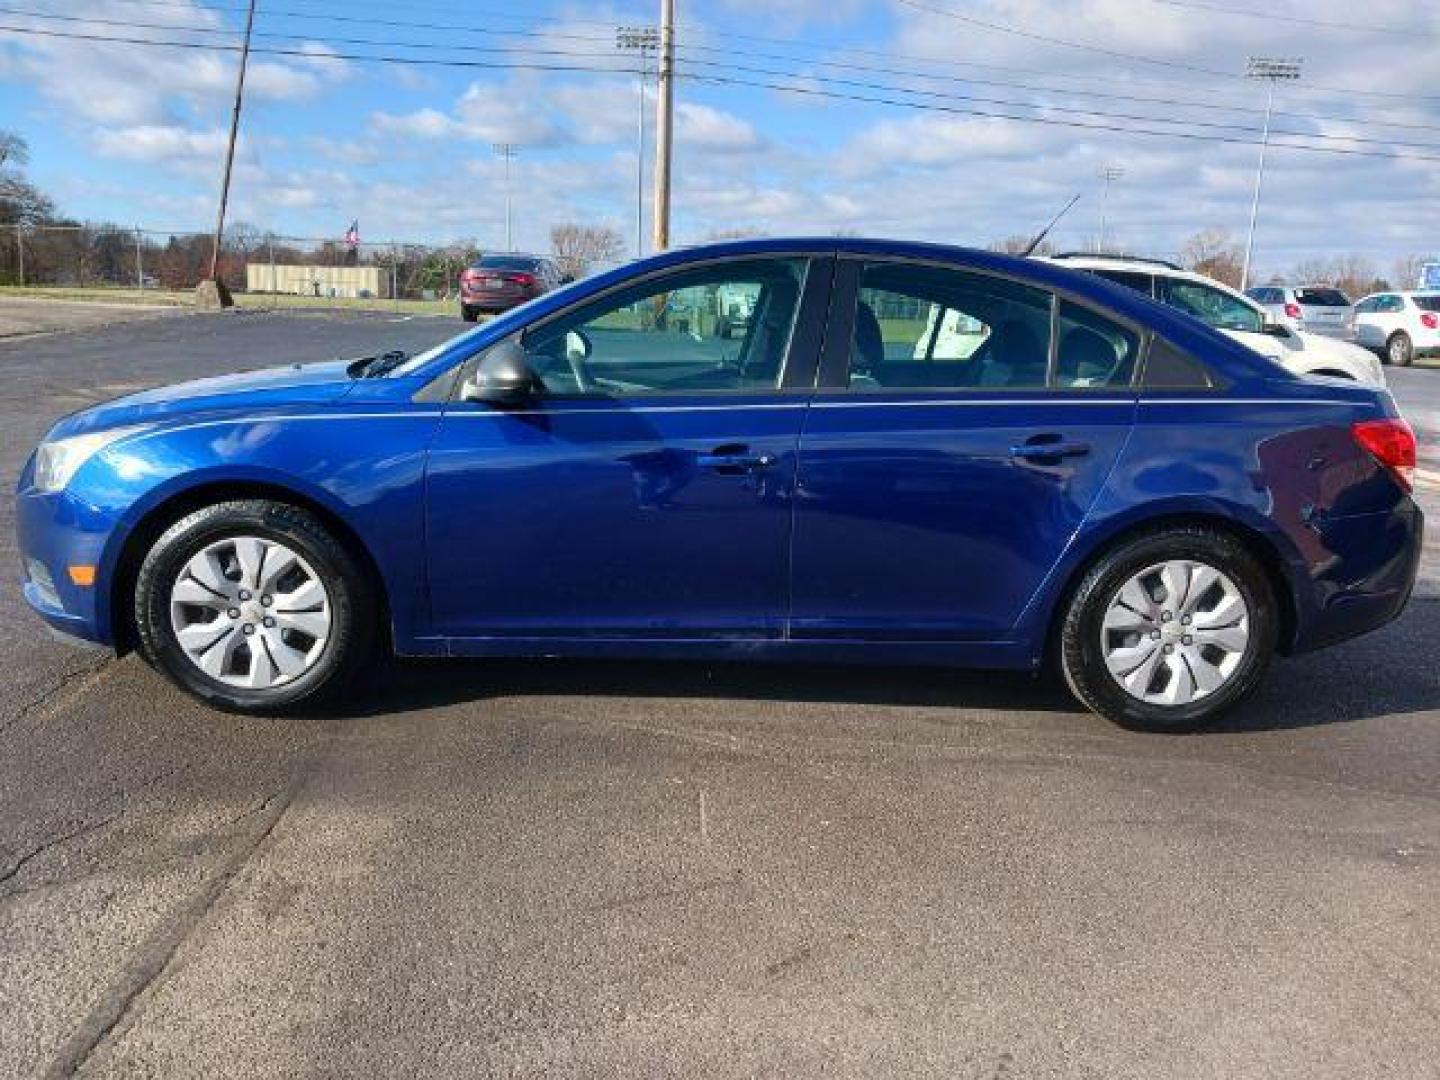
x,y
1048,448
732,460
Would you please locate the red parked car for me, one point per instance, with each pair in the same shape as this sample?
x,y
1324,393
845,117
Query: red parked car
x,y
501,282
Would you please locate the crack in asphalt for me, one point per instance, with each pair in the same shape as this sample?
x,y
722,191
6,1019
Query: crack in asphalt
x,y
76,679
64,838
154,955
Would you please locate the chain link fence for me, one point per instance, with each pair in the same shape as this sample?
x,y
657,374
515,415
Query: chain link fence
x,y
165,264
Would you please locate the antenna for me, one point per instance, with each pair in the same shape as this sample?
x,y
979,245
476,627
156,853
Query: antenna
x,y
1040,236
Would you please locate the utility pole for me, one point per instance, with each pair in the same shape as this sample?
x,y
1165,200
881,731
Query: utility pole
x,y
643,40
665,124
1107,175
1271,71
508,151
139,264
20,252
230,146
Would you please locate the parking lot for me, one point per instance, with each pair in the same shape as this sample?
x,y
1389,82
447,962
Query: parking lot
x,y
587,869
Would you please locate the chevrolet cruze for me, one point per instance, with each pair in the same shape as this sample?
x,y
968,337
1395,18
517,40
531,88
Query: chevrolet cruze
x,y
906,454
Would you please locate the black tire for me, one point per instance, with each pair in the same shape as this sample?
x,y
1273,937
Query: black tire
x,y
1400,349
1080,653
469,314
352,601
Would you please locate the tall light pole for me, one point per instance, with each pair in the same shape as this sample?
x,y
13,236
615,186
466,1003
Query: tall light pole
x,y
230,146
665,124
1108,174
507,151
643,40
1270,70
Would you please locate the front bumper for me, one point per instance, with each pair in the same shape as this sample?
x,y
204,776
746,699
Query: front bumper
x,y
55,532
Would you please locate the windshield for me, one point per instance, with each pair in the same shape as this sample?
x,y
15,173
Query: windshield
x,y
1321,298
508,262
459,341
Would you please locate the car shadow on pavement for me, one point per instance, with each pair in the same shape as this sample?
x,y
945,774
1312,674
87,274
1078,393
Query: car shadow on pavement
x,y
1364,679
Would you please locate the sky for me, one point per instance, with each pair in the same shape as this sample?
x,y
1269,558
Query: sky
x,y
983,118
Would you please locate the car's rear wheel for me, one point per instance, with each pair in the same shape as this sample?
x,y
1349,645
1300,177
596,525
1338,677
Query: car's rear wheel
x,y
1169,630
469,314
1400,349
254,606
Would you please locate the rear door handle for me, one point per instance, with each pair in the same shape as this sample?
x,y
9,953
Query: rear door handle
x,y
1049,451
735,459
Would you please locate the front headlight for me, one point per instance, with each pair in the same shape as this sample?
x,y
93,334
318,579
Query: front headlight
x,y
56,462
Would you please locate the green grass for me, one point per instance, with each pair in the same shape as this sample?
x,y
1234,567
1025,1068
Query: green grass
x,y
248,301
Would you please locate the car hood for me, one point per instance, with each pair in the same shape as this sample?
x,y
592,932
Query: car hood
x,y
268,388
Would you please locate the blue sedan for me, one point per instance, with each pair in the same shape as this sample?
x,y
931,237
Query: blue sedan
x,y
810,449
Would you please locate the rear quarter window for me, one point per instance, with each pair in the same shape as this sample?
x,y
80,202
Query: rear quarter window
x,y
1428,303
1169,368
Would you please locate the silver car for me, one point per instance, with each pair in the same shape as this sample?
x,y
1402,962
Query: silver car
x,y
1315,309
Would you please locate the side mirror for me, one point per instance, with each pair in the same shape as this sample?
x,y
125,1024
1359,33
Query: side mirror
x,y
1274,329
504,377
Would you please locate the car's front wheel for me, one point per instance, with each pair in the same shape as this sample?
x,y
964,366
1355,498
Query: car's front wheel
x,y
254,606
1169,630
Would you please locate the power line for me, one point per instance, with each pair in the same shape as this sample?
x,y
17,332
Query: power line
x,y
1063,109
1117,54
1031,35
920,106
718,80
1288,18
537,29
435,46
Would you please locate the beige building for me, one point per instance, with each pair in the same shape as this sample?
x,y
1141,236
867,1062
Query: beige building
x,y
334,282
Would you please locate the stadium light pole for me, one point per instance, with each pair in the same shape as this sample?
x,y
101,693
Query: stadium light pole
x,y
1108,175
230,146
1270,70
508,152
643,40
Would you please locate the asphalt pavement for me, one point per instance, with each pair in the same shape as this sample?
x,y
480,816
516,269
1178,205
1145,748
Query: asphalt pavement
x,y
625,869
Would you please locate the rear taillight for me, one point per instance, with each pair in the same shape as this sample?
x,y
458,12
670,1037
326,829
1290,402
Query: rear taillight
x,y
469,275
1392,444
521,279
1430,320
1292,311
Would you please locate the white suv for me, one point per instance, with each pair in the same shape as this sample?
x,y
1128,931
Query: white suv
x,y
1235,314
1401,325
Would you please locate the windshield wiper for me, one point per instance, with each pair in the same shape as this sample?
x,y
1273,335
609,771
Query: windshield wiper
x,y
377,367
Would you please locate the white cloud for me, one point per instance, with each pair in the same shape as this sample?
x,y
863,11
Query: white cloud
x,y
702,127
159,142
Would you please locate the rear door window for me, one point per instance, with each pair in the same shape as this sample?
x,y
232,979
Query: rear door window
x,y
1427,303
1210,305
929,328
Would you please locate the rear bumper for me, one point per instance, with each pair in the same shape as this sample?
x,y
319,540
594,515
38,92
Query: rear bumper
x,y
496,300
1366,579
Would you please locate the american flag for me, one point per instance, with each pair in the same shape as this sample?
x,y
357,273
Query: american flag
x,y
352,235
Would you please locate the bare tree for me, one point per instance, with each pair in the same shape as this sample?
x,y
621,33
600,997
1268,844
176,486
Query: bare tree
x,y
1214,253
1354,275
1405,274
579,247
1018,243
